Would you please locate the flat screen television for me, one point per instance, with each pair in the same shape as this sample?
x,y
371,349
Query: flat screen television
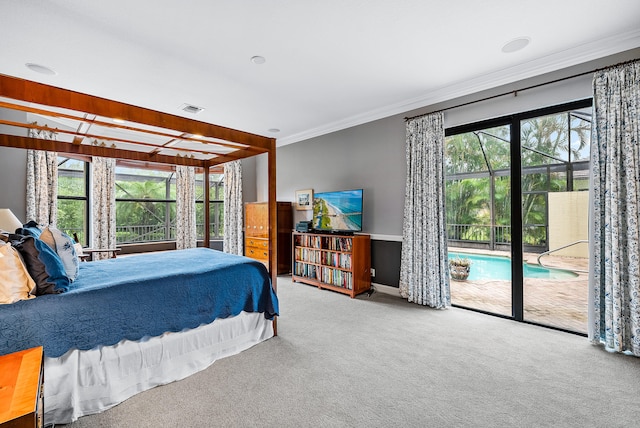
x,y
338,212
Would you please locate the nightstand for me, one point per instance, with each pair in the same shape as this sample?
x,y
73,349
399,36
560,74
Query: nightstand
x,y
21,389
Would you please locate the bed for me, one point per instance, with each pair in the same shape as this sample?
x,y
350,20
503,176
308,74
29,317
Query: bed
x,y
93,358
132,323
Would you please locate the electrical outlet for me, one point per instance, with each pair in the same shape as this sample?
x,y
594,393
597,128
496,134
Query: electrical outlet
x,y
373,273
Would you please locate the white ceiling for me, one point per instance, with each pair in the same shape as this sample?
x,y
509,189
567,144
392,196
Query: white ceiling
x,y
329,64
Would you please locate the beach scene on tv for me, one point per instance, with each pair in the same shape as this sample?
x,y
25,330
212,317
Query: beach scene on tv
x,y
339,211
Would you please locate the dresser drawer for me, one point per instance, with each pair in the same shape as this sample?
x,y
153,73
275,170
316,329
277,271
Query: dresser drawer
x,y
256,248
257,243
256,253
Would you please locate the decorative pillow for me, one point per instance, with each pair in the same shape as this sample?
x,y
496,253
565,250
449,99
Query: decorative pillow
x,y
62,244
30,229
43,264
15,282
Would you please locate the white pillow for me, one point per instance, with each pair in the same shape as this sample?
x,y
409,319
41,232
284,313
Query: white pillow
x,y
15,282
65,250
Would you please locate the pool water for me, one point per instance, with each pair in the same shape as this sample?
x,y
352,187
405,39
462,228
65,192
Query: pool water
x,y
497,267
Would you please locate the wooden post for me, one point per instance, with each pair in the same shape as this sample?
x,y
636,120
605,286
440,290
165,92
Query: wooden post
x,y
273,223
207,220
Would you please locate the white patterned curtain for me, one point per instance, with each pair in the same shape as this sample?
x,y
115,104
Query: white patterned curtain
x,y
233,209
614,281
185,207
42,182
424,273
103,174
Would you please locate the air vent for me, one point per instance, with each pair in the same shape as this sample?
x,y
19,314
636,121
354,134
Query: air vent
x,y
191,108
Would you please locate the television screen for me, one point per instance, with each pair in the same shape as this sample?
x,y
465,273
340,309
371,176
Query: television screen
x,y
338,211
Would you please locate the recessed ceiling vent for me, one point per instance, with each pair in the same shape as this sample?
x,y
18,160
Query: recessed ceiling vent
x,y
191,108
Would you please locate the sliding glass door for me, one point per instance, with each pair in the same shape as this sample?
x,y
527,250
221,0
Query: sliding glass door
x,y
478,207
528,260
555,197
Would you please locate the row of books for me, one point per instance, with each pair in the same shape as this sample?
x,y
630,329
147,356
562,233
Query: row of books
x,y
339,244
336,277
342,260
325,242
309,241
309,271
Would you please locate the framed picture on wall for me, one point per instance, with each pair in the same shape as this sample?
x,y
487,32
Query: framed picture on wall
x,y
304,199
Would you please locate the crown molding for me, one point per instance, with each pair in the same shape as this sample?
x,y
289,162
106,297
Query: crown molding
x,y
557,61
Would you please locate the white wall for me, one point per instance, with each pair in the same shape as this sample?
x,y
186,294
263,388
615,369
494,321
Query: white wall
x,y
13,163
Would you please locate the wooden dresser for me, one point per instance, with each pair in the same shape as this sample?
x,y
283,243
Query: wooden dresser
x,y
256,233
21,389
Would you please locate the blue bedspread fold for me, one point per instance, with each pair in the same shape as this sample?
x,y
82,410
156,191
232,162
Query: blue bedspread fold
x,y
138,296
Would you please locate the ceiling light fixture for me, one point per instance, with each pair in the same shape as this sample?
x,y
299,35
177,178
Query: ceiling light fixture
x,y
516,44
274,130
42,69
258,59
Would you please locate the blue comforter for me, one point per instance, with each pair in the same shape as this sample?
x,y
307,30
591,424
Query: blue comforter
x,y
138,296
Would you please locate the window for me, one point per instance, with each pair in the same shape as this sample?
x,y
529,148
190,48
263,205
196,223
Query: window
x,y
145,205
477,191
145,202
216,206
73,201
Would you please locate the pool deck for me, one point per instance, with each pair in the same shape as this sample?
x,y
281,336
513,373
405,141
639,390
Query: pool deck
x,y
559,303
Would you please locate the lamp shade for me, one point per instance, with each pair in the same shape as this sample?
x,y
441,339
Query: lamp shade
x,y
8,220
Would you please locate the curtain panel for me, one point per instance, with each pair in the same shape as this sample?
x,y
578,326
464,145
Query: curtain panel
x,y
424,271
42,182
233,208
185,207
614,282
103,205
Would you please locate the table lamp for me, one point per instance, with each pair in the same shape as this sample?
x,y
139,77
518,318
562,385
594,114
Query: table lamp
x,y
8,221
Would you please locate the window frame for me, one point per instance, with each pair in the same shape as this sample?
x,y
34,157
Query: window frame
x,y
86,198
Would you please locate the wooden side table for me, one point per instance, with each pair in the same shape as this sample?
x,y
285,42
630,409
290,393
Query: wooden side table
x,y
21,389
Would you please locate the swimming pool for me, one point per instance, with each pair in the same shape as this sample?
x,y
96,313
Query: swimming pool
x,y
498,267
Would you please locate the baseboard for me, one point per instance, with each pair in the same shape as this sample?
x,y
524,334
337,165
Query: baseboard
x,y
386,289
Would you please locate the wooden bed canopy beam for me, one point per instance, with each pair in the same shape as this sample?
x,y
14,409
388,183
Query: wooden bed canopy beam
x,y
85,120
26,90
78,138
87,150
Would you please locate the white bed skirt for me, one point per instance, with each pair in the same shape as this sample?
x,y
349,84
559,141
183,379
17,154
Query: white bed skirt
x,y
81,383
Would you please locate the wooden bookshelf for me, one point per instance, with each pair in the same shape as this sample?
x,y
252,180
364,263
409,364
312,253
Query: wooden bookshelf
x,y
333,262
